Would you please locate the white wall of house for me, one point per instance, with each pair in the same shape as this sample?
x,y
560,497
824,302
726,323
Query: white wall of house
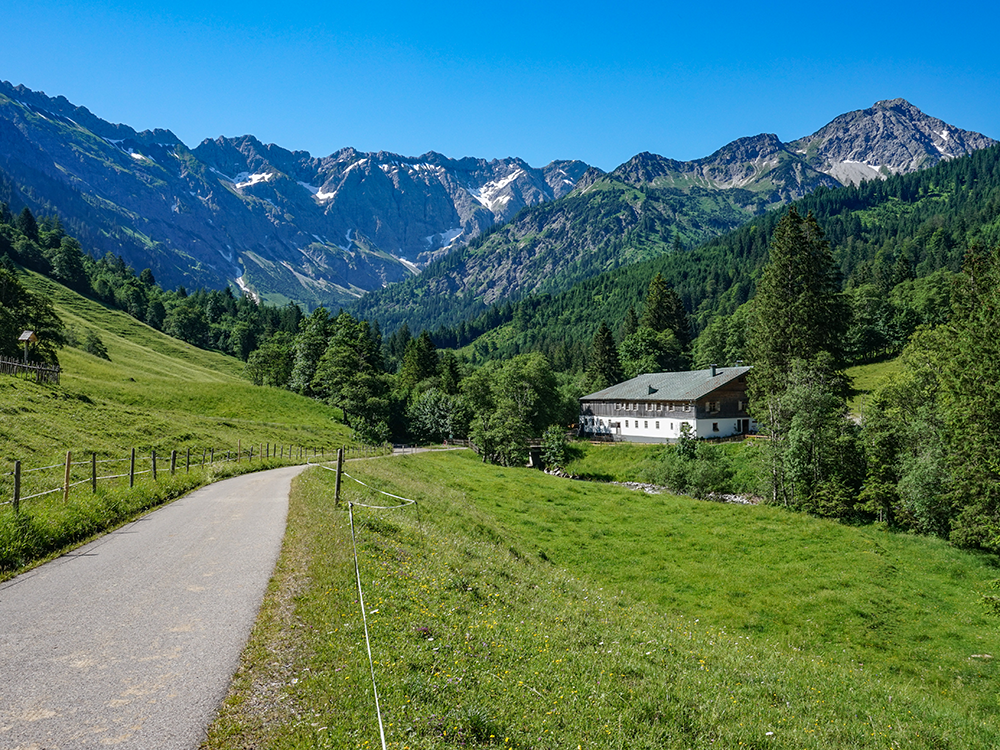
x,y
715,428
658,430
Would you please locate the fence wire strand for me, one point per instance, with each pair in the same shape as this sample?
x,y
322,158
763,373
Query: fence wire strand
x,y
364,619
357,573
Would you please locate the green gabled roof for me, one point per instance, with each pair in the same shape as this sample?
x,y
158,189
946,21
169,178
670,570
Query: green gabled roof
x,y
669,386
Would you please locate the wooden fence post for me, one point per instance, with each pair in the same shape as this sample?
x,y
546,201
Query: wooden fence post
x,y
173,462
204,452
212,461
187,468
69,463
93,472
153,457
239,450
131,470
340,468
17,486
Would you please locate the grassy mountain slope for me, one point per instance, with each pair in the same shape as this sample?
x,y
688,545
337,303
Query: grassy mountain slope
x,y
156,392
920,222
550,247
522,610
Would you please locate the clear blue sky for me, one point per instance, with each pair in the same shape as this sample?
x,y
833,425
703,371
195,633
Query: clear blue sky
x,y
540,80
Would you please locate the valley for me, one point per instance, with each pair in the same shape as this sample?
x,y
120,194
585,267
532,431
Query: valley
x,y
239,293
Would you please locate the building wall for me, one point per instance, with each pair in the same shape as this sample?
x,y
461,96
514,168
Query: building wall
x,y
651,430
723,413
661,430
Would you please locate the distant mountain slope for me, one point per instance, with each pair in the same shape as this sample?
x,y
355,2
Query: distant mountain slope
x,y
652,205
892,137
548,248
761,164
286,225
911,224
283,224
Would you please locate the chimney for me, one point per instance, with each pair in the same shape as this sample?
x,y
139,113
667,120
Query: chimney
x,y
714,368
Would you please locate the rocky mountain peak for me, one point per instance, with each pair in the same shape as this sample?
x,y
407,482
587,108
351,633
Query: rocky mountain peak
x,y
891,137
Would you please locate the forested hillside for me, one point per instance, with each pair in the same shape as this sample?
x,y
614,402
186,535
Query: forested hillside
x,y
548,248
894,242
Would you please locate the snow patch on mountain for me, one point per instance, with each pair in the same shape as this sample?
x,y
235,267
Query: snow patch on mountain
x,y
245,179
246,290
414,268
849,172
489,194
445,238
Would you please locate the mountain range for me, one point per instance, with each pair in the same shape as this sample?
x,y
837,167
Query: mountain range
x,y
285,225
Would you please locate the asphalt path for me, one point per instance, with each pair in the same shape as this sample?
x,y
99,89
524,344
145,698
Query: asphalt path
x,y
131,641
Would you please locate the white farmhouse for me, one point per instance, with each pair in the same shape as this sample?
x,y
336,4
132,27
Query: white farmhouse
x,y
652,408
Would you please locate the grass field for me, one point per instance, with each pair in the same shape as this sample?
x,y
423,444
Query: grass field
x,y
522,610
156,393
865,379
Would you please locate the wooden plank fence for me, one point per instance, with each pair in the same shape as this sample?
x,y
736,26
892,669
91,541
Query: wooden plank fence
x,y
41,373
22,484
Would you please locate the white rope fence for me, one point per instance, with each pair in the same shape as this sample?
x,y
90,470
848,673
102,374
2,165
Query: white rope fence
x,y
357,574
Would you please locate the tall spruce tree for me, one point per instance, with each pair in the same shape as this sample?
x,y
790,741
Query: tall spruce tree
x,y
629,324
664,311
798,311
798,327
605,367
970,401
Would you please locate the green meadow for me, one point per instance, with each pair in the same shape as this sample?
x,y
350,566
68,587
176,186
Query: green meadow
x,y
155,394
513,609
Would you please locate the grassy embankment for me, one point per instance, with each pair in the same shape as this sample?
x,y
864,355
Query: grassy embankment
x,y
156,393
522,610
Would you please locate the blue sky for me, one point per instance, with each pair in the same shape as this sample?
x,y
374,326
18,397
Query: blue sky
x,y
540,80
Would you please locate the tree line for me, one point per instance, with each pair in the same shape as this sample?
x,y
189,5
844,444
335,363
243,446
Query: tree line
x,y
402,389
897,245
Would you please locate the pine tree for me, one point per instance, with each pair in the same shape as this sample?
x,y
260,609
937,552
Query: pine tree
x,y
798,311
970,402
27,225
629,324
420,362
605,368
657,312
663,311
796,347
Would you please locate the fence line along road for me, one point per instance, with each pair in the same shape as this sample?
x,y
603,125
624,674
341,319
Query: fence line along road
x,y
22,484
131,640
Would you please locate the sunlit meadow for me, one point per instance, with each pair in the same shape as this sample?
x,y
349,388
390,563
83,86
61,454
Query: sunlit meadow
x,y
513,609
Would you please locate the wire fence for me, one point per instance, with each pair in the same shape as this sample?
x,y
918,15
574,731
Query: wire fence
x,y
404,503
22,484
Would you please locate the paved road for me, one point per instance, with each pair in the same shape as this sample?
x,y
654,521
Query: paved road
x,y
131,641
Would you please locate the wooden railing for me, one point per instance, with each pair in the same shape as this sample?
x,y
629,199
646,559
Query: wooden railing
x,y
41,373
